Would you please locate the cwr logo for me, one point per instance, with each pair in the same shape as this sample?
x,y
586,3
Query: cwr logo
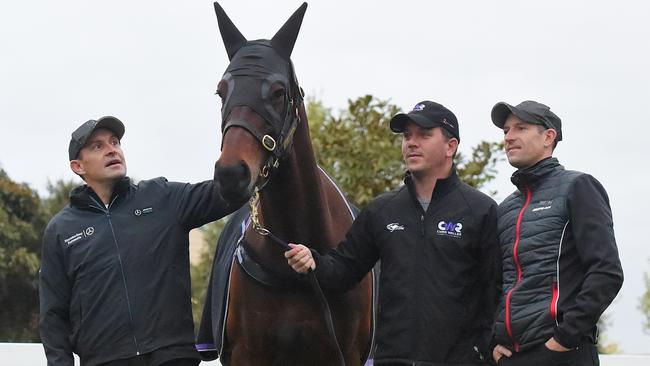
x,y
418,107
450,228
394,226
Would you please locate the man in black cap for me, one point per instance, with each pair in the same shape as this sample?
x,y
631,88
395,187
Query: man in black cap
x,y
561,268
114,279
436,240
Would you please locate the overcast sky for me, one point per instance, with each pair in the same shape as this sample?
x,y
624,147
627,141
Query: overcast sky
x,y
155,65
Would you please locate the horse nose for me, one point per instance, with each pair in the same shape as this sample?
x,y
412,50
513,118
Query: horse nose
x,y
234,181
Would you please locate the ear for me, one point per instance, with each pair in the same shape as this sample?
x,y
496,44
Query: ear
x,y
232,37
77,167
284,40
452,146
549,137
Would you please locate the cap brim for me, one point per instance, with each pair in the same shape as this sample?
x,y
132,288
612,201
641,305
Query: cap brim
x,y
502,110
111,123
399,121
500,113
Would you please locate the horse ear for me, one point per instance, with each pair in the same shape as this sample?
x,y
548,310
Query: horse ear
x,y
232,37
284,40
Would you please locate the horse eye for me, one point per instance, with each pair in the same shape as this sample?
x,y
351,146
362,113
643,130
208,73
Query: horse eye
x,y
278,94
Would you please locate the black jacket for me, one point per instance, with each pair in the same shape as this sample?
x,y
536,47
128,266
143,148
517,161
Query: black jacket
x,y
440,271
560,261
115,281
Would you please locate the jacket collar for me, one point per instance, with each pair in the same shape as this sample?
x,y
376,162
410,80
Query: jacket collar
x,y
443,185
532,175
84,196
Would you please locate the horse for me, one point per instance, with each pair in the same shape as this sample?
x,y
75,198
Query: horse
x,y
272,317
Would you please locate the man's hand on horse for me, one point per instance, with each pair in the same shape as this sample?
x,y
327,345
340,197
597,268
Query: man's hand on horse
x,y
299,258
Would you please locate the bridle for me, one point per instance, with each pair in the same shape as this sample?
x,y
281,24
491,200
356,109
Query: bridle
x,y
279,146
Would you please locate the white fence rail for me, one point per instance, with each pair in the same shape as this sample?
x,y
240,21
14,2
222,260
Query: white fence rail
x,y
31,354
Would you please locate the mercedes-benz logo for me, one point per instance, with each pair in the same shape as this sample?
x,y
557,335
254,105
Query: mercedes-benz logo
x,y
137,212
90,231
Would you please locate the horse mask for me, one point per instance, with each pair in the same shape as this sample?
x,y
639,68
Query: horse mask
x,y
254,67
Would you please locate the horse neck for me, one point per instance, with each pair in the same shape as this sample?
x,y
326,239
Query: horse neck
x,y
293,205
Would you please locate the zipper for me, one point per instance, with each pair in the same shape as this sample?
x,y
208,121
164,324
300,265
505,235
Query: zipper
x,y
518,266
554,298
119,259
422,226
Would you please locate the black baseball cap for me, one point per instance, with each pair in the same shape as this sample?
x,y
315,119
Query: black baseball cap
x,y
528,111
83,132
427,114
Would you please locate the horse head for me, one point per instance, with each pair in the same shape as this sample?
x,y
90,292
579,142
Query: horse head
x,y
262,105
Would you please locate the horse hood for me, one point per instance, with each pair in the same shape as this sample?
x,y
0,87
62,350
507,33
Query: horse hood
x,y
256,65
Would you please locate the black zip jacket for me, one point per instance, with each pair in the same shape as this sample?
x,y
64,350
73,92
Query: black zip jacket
x,y
561,267
440,272
115,281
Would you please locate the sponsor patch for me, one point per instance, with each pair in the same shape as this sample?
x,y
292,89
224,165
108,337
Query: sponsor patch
x,y
143,211
450,228
394,226
542,205
89,231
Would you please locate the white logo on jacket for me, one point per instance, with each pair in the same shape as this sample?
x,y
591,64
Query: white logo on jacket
x,y
144,211
394,226
542,205
80,235
541,208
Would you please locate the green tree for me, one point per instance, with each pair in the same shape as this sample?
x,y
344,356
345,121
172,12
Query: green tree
x,y
604,345
200,272
23,216
364,157
357,148
644,304
58,196
21,227
481,167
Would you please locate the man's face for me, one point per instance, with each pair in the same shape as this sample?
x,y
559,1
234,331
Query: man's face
x,y
101,160
425,151
526,143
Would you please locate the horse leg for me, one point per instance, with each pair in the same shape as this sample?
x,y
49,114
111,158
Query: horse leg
x,y
354,315
241,356
247,324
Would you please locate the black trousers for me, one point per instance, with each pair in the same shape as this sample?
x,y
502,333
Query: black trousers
x,y
145,360
585,355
